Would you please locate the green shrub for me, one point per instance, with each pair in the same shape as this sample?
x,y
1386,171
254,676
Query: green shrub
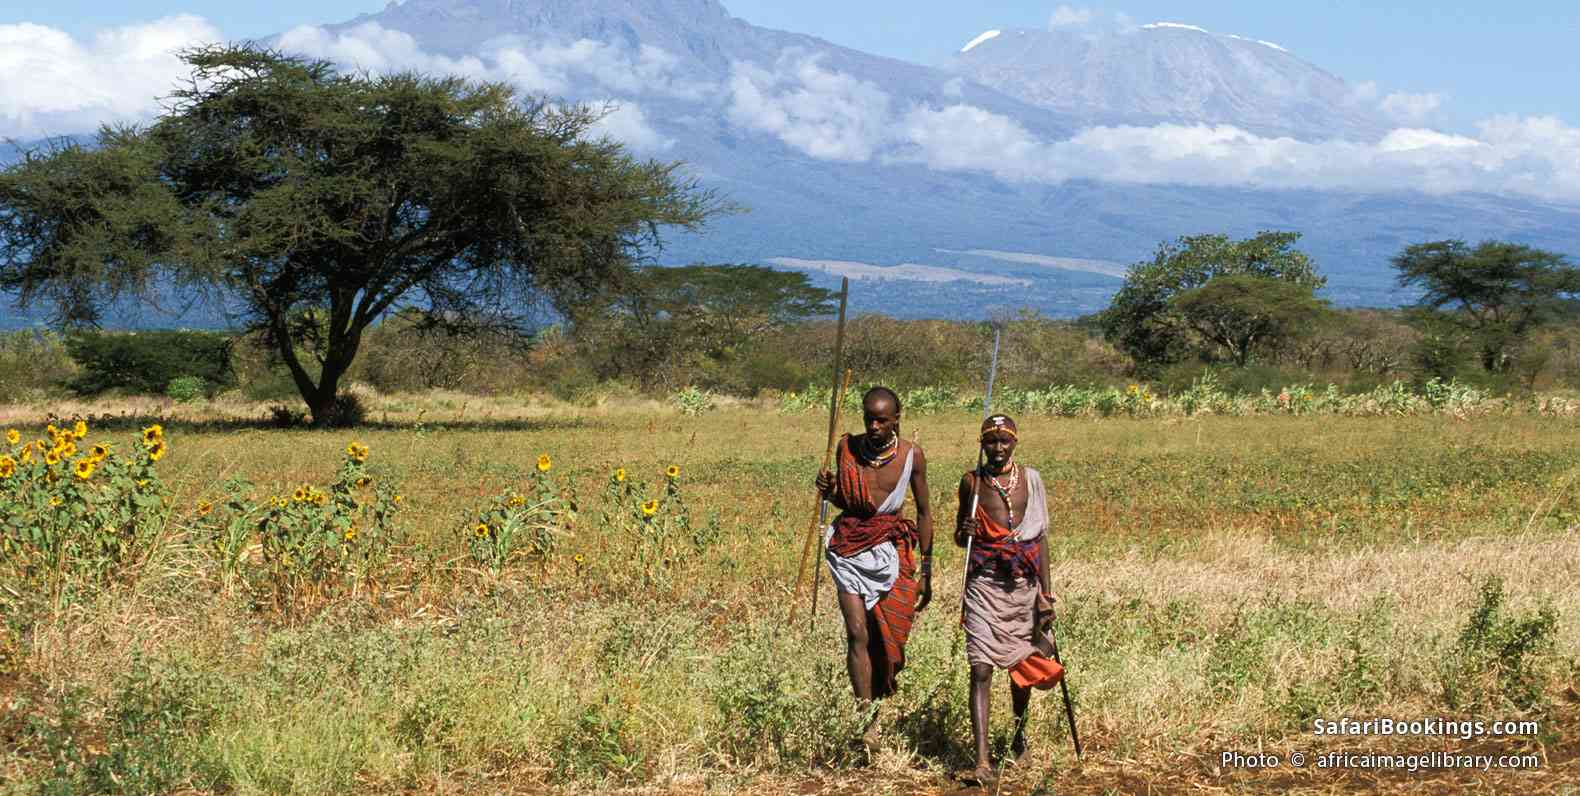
x,y
1499,659
146,362
186,388
32,363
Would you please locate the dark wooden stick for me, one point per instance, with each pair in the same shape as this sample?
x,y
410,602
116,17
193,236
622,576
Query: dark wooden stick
x,y
828,453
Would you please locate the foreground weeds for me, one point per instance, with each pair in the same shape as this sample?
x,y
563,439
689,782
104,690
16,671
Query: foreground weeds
x,y
440,608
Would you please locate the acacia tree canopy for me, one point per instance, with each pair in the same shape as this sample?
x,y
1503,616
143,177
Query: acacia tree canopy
x,y
1237,313
1497,292
321,201
1143,320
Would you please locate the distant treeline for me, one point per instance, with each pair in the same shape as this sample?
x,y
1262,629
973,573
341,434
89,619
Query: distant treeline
x,y
1355,349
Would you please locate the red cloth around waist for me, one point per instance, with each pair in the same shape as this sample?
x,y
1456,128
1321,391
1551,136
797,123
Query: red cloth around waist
x,y
853,535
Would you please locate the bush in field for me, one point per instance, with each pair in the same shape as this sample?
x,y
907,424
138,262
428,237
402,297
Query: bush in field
x,y
1499,660
148,362
32,364
73,513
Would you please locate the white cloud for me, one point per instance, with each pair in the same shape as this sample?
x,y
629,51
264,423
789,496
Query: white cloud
x,y
574,71
1069,16
556,69
825,114
55,84
628,124
1410,108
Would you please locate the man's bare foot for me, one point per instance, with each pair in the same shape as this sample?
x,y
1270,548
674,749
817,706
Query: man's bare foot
x,y
872,735
981,776
1020,751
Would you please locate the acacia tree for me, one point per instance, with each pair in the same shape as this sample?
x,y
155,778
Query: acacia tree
x,y
1238,313
1496,293
665,317
1144,319
318,202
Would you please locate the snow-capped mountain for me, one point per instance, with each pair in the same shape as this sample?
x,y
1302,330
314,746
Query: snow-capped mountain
x,y
1171,72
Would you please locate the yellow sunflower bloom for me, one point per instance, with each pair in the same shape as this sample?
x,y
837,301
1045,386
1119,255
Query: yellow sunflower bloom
x,y
79,430
204,507
12,436
649,507
351,533
68,450
153,434
320,498
300,495
619,475
157,451
481,531
55,501
52,458
357,452
517,501
52,431
99,453
84,469
398,499
27,454
544,463
7,466
672,471
364,482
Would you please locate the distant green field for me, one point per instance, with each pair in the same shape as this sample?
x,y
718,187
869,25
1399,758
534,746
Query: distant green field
x,y
1223,581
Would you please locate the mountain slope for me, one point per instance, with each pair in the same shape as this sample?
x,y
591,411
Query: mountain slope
x,y
1172,73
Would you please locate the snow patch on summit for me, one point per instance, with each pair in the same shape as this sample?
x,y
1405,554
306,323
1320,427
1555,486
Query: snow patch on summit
x,y
978,40
1176,25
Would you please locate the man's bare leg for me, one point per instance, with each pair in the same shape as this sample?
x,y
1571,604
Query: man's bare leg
x,y
1020,700
858,662
981,682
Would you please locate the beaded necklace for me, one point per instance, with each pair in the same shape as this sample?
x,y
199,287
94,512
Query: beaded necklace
x,y
881,456
1004,491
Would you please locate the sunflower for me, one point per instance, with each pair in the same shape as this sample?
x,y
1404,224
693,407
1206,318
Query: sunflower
x,y
52,458
649,507
544,463
55,501
517,501
300,495
99,453
398,499
84,469
204,507
68,450
157,450
364,482
7,466
80,430
481,531
351,533
672,471
12,436
153,434
357,452
619,475
320,498
26,454
282,502
52,431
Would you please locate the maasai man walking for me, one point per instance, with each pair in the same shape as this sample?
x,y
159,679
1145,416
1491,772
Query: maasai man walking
x,y
873,550
1008,605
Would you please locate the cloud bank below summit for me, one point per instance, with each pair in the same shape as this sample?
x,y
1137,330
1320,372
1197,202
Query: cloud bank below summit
x,y
820,112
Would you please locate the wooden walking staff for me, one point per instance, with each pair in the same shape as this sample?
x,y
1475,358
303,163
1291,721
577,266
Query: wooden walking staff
x,y
976,479
822,505
828,453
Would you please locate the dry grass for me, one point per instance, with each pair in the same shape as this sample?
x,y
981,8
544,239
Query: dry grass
x,y
1220,579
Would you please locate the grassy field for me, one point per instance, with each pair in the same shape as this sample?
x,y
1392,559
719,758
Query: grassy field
x,y
1223,582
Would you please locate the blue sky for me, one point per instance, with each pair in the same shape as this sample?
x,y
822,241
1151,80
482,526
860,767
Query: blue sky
x,y
1514,56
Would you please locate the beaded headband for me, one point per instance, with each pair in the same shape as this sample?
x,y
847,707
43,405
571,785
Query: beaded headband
x,y
999,423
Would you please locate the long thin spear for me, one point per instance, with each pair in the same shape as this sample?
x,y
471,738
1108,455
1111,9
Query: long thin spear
x,y
822,516
828,453
976,478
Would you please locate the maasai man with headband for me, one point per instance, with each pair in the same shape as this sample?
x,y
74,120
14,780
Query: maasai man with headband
x,y
1008,605
881,562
